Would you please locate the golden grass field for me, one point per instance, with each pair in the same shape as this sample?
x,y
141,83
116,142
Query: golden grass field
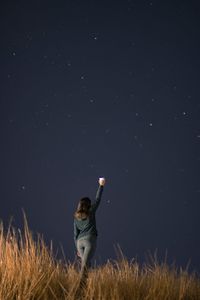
x,y
28,270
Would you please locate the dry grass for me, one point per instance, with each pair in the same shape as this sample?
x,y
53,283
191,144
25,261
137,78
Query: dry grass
x,y
28,270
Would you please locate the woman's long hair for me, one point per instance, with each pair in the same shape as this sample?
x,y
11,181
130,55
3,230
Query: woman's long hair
x,y
83,210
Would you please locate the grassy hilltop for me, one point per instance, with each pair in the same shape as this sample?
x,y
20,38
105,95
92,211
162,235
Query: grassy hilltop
x,y
28,270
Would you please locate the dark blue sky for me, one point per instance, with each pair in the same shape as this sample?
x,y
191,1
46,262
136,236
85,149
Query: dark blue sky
x,y
103,88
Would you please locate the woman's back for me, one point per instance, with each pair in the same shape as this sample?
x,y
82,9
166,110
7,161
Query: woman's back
x,y
87,225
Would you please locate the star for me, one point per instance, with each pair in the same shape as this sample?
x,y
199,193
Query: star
x,y
68,116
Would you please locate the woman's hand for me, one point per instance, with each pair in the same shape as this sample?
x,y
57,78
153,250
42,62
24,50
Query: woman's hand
x,y
78,254
102,181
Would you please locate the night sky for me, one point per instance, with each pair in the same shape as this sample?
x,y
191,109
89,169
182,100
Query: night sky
x,y
103,88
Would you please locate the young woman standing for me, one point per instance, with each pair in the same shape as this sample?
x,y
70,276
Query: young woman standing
x,y
85,231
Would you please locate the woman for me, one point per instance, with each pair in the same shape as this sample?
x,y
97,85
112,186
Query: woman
x,y
85,232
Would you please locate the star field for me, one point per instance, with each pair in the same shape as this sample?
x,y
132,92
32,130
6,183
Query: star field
x,y
92,89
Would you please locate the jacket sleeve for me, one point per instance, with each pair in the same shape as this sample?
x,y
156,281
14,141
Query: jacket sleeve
x,y
97,199
76,233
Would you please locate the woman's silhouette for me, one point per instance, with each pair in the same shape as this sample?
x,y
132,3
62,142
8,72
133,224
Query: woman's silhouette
x,y
85,232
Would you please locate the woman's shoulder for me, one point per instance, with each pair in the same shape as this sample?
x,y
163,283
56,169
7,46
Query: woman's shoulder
x,y
92,207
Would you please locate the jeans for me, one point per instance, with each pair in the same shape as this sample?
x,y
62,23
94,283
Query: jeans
x,y
86,247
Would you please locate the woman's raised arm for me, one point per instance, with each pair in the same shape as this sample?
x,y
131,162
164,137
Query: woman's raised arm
x,y
98,194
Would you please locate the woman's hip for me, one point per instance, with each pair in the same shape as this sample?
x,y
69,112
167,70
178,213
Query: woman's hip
x,y
87,240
